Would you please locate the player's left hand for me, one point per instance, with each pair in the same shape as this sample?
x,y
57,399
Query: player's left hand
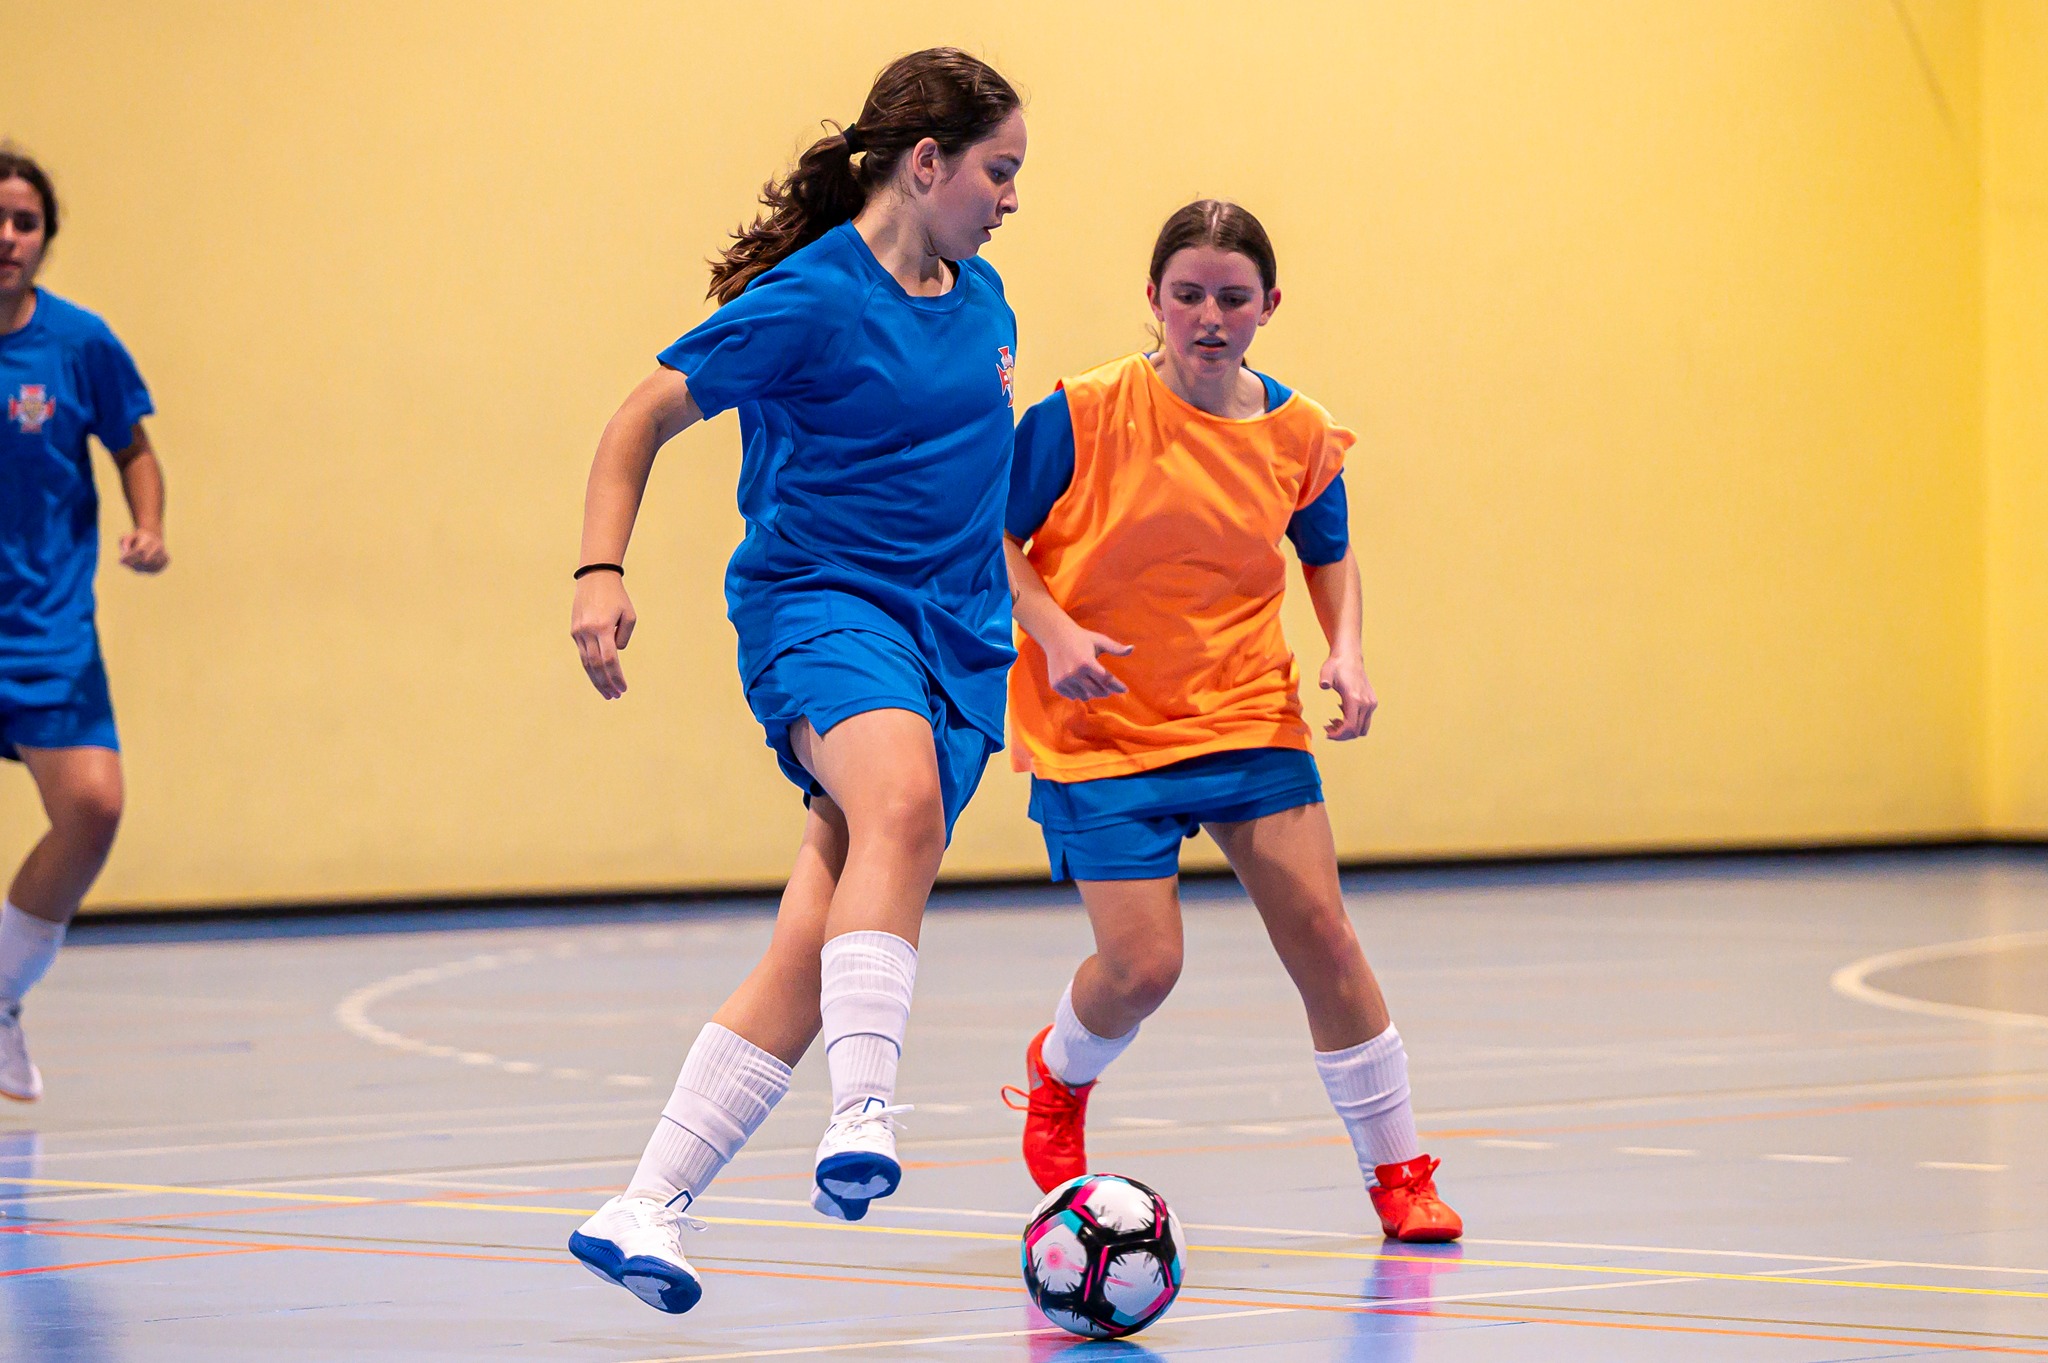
x,y
1346,676
143,550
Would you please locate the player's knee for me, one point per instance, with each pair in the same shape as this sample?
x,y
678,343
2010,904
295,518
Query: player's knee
x,y
910,818
1144,981
1320,946
89,812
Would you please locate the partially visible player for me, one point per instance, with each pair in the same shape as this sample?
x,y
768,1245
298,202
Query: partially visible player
x,y
65,379
1155,693
869,354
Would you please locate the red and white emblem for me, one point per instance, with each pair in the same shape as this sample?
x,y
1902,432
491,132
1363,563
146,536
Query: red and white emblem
x,y
31,407
1006,368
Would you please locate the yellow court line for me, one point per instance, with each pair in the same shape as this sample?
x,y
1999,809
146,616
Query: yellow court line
x,y
934,1234
1631,1272
187,1191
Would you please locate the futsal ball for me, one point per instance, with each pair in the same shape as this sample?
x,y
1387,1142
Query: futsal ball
x,y
1102,1256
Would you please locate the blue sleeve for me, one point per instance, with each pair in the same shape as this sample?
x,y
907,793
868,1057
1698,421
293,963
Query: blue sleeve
x,y
1321,531
764,344
119,396
1043,467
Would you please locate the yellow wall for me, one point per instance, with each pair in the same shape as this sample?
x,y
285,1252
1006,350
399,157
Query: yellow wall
x,y
1660,324
2016,407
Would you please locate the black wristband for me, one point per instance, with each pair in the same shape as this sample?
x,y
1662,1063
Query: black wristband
x,y
599,568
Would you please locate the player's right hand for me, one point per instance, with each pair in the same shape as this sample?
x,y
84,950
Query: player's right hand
x,y
601,623
1072,666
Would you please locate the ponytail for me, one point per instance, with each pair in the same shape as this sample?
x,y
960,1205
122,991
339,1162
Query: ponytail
x,y
941,93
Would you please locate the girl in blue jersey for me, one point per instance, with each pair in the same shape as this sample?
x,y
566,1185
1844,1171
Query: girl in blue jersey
x,y
63,378
869,354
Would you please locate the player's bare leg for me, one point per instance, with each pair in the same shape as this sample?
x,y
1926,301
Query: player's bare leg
x,y
881,769
1137,960
1288,864
81,792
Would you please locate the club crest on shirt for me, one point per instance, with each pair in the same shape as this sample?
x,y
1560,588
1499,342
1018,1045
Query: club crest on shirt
x,y
31,407
1006,368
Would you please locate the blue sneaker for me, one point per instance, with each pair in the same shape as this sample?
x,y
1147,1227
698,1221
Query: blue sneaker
x,y
637,1243
857,1160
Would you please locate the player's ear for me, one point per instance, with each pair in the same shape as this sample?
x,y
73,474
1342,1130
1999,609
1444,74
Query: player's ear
x,y
927,163
1152,300
1272,306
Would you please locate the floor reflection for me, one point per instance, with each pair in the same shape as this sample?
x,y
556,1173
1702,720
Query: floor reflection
x,y
53,1315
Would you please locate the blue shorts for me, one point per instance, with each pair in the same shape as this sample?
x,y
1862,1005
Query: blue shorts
x,y
82,719
833,677
1131,827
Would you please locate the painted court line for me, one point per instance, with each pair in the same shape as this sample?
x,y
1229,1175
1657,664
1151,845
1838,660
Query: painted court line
x,y
1286,1231
1385,1307
1039,1331
1955,1164
1721,1332
1005,1238
1853,980
140,1259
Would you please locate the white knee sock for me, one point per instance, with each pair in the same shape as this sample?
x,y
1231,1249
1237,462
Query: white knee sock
x,y
726,1090
1368,1085
1074,1054
865,1000
27,946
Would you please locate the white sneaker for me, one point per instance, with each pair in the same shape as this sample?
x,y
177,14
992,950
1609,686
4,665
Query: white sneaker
x,y
19,1077
637,1243
857,1160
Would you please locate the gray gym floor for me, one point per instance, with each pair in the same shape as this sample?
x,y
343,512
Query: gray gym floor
x,y
1773,1109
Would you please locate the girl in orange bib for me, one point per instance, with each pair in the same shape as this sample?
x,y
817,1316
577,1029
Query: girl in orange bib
x,y
1154,693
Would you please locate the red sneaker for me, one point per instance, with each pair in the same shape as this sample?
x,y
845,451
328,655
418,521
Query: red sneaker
x,y
1410,1211
1055,1115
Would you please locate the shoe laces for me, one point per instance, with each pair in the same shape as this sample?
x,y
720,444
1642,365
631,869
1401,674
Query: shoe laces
x,y
885,1115
651,1214
1054,1094
1421,1177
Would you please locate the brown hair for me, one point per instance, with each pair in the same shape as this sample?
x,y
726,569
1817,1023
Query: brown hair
x,y
941,93
1222,224
16,164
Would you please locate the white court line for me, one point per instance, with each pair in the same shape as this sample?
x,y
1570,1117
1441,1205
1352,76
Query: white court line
x,y
1020,1216
1661,1151
1852,980
1038,1331
1801,1262
1363,1308
1698,1096
637,1111
1957,1164
461,1185
1809,1159
353,1012
1796,1263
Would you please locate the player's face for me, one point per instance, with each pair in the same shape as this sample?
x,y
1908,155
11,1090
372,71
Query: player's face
x,y
21,234
1210,303
976,190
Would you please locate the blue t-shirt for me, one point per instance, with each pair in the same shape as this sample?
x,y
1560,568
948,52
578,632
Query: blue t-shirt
x,y
1044,470
63,377
877,429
